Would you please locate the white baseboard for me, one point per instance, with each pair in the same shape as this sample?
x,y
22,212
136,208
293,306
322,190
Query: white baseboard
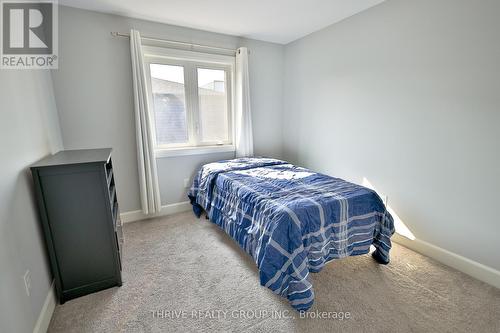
x,y
43,321
137,215
467,266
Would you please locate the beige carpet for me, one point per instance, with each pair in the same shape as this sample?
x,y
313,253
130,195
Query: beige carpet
x,y
190,266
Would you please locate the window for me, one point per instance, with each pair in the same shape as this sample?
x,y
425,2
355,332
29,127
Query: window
x,y
190,100
169,104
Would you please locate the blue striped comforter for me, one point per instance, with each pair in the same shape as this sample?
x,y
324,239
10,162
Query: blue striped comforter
x,y
292,221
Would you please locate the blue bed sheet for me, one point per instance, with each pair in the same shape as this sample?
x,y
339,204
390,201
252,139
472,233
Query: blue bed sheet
x,y
292,221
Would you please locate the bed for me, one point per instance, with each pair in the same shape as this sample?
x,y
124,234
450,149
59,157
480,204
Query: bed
x,y
291,220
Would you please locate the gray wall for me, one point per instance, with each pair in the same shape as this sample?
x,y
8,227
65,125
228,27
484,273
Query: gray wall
x,y
29,130
173,171
407,94
93,88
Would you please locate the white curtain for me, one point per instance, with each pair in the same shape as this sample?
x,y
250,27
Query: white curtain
x,y
148,177
243,114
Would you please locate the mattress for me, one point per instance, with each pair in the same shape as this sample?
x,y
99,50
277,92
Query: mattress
x,y
291,220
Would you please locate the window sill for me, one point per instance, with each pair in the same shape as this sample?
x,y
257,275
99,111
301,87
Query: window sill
x,y
186,151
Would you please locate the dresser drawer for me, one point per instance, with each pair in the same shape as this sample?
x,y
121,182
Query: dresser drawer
x,y
119,243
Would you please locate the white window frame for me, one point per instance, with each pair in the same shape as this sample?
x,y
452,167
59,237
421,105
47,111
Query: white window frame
x,y
191,61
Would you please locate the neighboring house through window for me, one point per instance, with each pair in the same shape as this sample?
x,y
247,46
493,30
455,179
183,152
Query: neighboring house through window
x,y
191,100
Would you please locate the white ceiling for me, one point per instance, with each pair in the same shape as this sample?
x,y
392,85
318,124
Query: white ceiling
x,y
279,21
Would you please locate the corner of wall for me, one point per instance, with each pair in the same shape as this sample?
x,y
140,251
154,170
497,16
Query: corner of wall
x,y
53,121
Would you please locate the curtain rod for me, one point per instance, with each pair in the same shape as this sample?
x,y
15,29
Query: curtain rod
x,y
125,35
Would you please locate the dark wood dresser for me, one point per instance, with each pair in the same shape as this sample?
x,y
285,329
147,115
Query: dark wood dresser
x,y
76,195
